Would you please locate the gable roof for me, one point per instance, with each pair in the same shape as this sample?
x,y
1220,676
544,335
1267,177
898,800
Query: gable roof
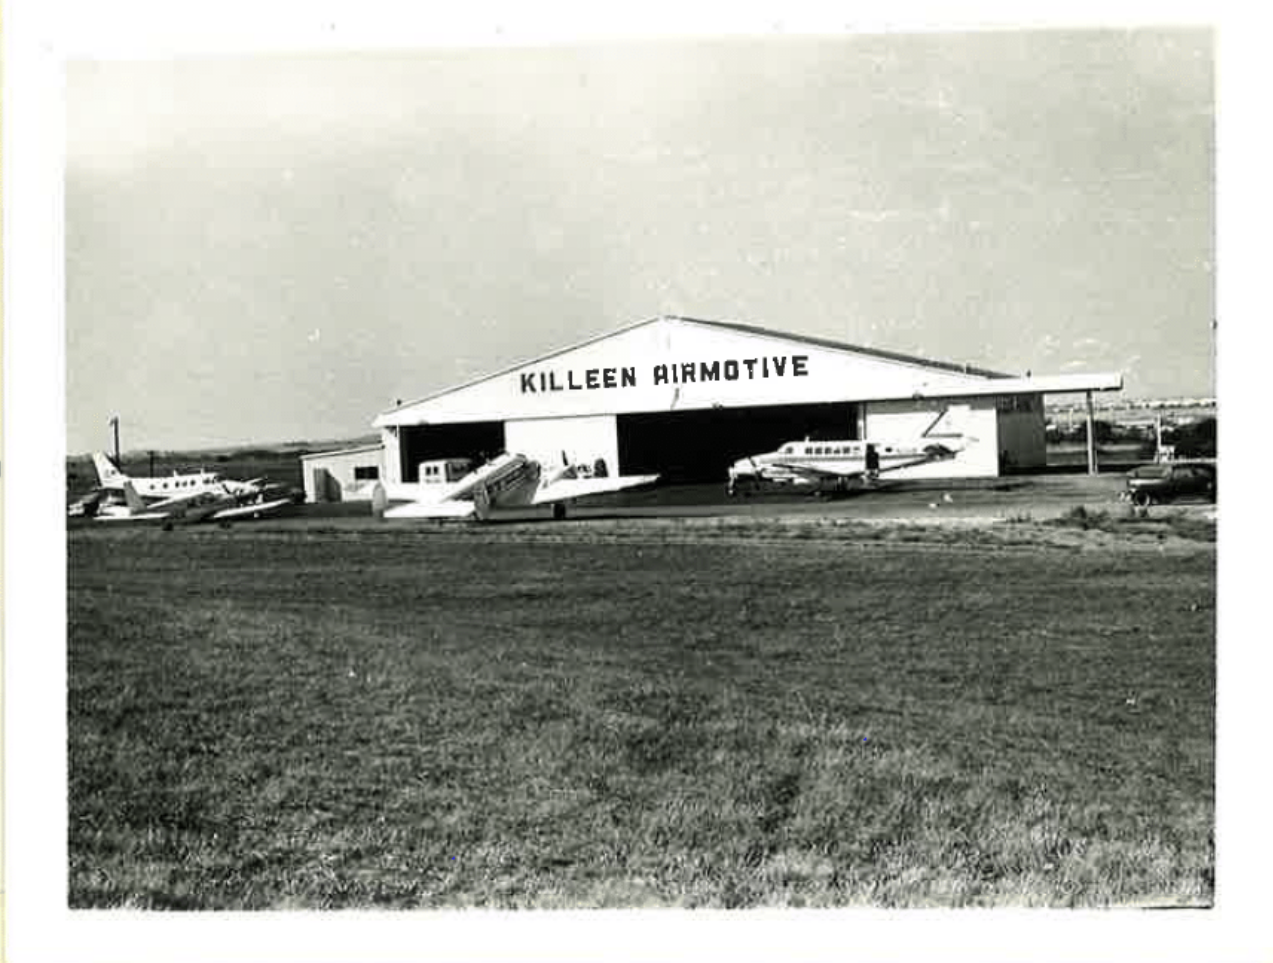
x,y
738,327
844,346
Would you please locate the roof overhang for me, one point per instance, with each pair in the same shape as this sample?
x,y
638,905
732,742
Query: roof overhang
x,y
1046,385
337,452
991,387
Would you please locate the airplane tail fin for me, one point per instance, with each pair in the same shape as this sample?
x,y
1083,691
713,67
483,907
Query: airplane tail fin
x,y
132,499
107,474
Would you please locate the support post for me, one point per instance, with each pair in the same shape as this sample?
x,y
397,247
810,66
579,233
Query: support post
x,y
114,422
1092,467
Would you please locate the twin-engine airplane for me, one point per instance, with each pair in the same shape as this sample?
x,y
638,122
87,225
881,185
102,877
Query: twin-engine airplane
x,y
841,465
188,497
202,506
110,478
508,481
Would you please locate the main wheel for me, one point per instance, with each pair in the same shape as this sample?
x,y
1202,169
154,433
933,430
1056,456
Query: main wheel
x,y
559,511
1142,499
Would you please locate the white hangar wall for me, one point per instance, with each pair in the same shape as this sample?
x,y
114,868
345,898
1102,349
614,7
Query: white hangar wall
x,y
1000,432
974,421
582,440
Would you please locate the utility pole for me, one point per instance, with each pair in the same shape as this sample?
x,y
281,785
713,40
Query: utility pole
x,y
1092,467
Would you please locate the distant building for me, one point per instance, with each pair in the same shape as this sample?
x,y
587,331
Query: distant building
x,y
348,474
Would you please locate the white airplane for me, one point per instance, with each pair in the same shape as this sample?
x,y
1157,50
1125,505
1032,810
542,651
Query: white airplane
x,y
111,479
840,464
507,481
203,506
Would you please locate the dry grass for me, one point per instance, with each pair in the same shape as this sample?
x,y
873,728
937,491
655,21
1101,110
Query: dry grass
x,y
539,717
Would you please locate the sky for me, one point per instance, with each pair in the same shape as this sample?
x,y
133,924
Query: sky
x,y
277,247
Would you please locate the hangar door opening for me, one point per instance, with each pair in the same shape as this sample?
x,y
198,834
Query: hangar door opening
x,y
700,445
478,440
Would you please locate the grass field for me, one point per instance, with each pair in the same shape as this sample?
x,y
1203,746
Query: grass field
x,y
559,716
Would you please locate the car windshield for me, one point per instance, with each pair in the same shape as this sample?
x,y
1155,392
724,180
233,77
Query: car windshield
x,y
1151,471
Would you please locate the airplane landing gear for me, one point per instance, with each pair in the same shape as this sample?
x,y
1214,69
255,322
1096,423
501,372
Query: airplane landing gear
x,y
559,511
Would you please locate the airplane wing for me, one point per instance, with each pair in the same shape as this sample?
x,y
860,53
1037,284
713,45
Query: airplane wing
x,y
567,488
248,511
177,503
113,514
441,509
935,452
816,474
133,509
443,502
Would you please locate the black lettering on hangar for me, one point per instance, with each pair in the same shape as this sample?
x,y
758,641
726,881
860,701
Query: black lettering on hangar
x,y
677,373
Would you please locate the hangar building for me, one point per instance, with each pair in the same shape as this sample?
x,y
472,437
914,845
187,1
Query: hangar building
x,y
685,398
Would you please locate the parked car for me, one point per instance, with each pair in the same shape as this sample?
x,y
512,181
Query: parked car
x,y
1167,482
